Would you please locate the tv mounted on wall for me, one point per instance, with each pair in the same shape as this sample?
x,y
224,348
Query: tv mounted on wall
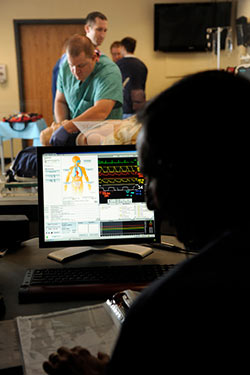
x,y
182,27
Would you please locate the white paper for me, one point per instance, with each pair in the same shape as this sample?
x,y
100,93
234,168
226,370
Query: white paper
x,y
92,327
9,345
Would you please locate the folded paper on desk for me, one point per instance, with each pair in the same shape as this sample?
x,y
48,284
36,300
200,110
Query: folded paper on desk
x,y
94,327
9,345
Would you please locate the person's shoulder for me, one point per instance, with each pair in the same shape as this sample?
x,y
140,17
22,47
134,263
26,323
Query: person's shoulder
x,y
105,65
64,67
183,281
131,62
105,60
121,61
138,62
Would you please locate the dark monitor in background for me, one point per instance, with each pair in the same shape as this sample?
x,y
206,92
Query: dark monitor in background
x,y
182,27
243,70
91,196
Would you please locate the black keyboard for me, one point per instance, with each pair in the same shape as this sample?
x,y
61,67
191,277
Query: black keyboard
x,y
78,283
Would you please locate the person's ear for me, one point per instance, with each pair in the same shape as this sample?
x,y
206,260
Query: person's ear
x,y
86,28
95,57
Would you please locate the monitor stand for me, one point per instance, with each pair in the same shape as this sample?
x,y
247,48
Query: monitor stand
x,y
68,253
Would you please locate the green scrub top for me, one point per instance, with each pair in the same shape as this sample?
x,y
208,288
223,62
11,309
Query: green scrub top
x,y
105,82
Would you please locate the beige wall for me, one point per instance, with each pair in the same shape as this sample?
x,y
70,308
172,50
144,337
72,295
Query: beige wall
x,y
126,18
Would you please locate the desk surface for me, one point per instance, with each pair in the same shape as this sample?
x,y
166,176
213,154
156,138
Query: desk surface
x,y
14,265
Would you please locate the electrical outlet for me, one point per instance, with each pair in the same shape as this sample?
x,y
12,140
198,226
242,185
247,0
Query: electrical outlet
x,y
3,73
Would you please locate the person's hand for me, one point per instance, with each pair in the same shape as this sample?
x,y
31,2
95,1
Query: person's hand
x,y
76,361
59,137
55,125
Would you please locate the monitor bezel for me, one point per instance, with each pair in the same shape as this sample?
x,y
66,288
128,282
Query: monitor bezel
x,y
96,242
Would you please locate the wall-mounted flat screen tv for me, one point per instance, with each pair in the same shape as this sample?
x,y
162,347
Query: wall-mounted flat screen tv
x,y
182,27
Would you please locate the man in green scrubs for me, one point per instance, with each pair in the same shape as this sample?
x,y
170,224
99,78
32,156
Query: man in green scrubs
x,y
89,88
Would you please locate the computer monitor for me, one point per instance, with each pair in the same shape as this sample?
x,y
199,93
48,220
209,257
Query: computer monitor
x,y
92,195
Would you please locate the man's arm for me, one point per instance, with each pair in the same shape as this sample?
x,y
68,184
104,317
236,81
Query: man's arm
x,y
61,109
99,112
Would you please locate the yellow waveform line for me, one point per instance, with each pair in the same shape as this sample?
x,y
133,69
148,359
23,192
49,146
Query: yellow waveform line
x,y
119,169
118,180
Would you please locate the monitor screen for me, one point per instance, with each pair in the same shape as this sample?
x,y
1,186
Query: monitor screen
x,y
182,27
92,195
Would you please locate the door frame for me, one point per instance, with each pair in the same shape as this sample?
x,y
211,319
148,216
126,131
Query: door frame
x,y
17,25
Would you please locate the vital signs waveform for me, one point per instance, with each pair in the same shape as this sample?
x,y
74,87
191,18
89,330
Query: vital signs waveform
x,y
120,178
122,227
119,172
118,161
119,181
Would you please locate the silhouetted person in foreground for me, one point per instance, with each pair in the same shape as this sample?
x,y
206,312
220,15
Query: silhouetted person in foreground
x,y
194,153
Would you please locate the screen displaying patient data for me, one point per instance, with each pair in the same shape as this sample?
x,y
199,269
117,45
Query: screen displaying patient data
x,y
94,195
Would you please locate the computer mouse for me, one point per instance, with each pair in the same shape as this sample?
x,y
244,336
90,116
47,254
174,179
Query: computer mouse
x,y
2,306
